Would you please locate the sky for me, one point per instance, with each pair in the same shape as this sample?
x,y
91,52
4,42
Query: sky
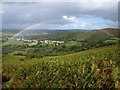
x,y
60,15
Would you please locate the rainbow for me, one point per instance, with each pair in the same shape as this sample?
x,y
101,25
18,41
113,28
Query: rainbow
x,y
28,28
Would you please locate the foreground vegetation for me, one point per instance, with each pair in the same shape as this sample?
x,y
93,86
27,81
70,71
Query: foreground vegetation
x,y
94,68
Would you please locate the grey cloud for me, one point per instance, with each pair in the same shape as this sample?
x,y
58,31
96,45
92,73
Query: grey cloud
x,y
26,13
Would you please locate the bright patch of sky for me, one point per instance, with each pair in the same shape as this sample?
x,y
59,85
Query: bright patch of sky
x,y
78,23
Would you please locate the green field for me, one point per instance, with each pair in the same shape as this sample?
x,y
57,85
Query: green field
x,y
94,68
6,34
13,42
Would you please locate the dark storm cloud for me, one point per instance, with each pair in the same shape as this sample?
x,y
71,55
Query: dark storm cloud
x,y
21,14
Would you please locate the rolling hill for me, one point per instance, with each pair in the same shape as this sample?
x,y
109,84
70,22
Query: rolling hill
x,y
72,34
92,35
94,68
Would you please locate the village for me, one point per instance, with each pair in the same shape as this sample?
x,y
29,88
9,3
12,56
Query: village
x,y
5,39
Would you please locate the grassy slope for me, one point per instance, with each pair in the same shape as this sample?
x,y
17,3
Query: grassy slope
x,y
6,34
91,68
112,32
90,35
67,36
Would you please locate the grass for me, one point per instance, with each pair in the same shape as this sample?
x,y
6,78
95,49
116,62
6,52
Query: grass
x,y
33,44
111,41
95,68
6,34
72,43
14,42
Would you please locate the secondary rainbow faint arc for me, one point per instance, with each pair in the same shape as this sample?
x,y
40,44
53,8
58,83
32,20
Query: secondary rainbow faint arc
x,y
30,27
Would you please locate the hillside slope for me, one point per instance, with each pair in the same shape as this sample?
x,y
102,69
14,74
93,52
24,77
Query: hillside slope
x,y
93,35
68,35
95,68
